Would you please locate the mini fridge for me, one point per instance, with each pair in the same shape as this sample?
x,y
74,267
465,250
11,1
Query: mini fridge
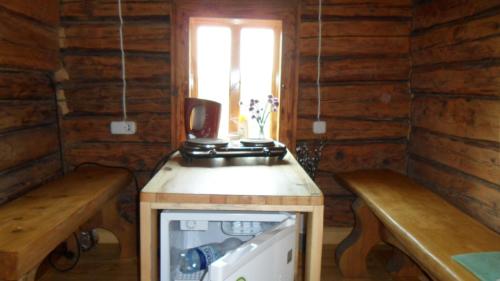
x,y
267,252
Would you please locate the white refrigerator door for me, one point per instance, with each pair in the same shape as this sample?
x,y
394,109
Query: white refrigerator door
x,y
268,257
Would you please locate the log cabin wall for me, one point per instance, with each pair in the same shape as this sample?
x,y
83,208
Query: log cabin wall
x,y
366,99
365,90
29,143
455,140
91,95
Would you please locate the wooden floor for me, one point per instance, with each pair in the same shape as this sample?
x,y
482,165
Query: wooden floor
x,y
102,264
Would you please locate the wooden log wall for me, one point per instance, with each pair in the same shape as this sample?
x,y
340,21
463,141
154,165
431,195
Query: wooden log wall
x,y
455,81
29,50
90,97
365,90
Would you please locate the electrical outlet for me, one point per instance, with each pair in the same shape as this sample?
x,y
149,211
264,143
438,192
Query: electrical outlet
x,y
123,127
319,127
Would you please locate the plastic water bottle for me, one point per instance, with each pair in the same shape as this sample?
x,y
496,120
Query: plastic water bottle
x,y
199,258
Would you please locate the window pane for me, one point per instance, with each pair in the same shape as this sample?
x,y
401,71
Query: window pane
x,y
256,59
213,61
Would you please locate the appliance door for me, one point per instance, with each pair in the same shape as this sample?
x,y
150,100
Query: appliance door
x,y
269,256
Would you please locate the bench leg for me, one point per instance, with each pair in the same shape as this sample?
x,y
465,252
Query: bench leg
x,y
352,252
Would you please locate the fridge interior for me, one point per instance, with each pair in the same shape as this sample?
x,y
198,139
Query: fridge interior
x,y
189,229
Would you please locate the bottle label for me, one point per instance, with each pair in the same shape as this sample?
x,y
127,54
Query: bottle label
x,y
210,255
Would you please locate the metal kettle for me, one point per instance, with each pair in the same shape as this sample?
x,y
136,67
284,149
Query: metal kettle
x,y
201,118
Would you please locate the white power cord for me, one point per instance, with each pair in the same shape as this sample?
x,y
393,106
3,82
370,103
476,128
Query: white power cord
x,y
124,78
318,85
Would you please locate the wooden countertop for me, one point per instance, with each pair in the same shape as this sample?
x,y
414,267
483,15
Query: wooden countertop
x,y
233,181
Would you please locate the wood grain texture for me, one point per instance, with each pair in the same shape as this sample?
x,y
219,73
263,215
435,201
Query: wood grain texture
x,y
66,203
98,9
455,138
29,146
401,205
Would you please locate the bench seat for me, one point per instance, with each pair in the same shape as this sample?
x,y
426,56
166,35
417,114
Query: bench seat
x,y
34,224
419,222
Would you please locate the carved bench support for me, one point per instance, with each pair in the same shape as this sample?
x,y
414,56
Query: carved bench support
x,y
352,252
109,218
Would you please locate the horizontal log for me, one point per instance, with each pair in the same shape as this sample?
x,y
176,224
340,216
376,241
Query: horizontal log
x,y
23,85
355,46
459,80
343,129
349,157
19,181
405,3
467,118
329,186
92,9
468,51
474,197
374,101
430,13
15,115
46,11
107,98
27,44
135,156
461,32
150,128
380,28
479,161
338,211
138,36
356,69
27,145
404,13
103,68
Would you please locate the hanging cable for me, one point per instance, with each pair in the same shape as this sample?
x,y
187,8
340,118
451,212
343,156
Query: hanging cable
x,y
318,85
124,78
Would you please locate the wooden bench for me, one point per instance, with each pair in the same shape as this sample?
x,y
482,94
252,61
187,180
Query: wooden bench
x,y
34,224
394,209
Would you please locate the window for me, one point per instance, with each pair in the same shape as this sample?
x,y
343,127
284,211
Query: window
x,y
233,60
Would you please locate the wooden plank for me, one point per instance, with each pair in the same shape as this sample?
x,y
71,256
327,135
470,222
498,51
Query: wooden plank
x,y
350,157
27,145
461,80
22,85
428,228
468,118
405,3
107,98
46,11
475,50
26,44
461,32
362,28
352,69
374,101
92,9
19,181
480,161
18,114
144,37
35,224
430,13
474,197
345,129
150,128
102,68
136,156
356,46
403,13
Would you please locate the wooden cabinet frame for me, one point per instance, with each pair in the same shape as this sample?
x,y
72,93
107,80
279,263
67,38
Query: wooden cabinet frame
x,y
287,11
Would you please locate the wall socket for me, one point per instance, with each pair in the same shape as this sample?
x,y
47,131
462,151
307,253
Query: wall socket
x,y
123,127
319,127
